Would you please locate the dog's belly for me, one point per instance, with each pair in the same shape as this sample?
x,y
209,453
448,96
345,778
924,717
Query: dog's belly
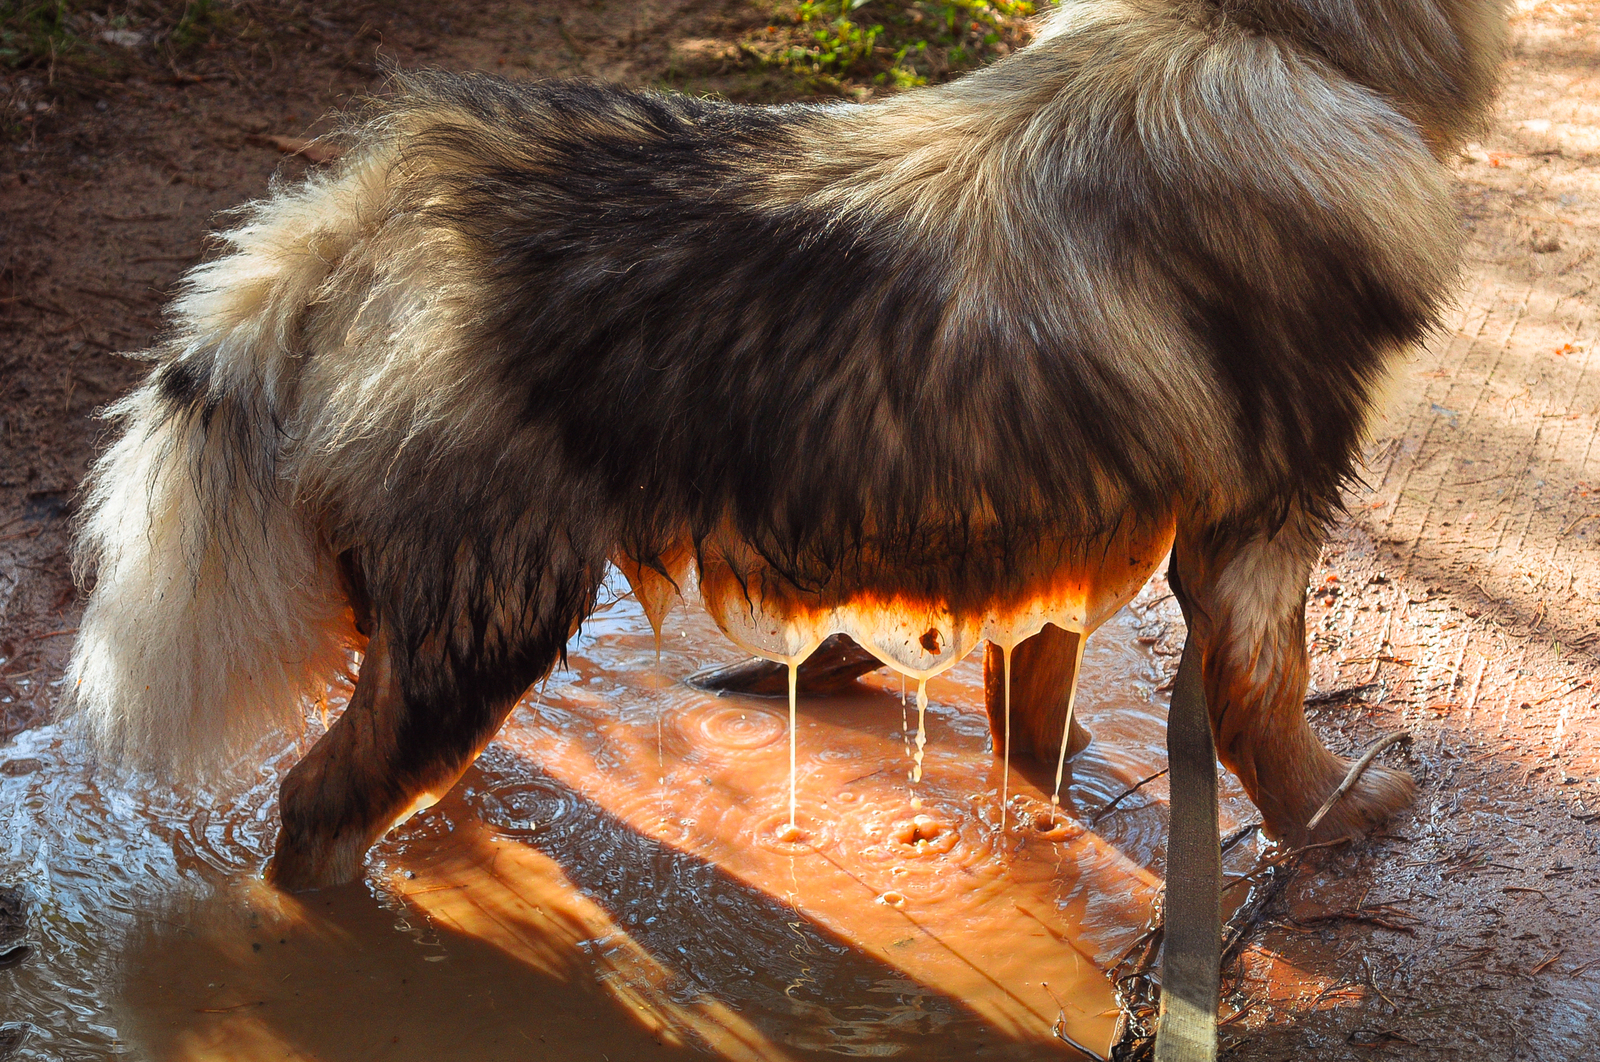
x,y
1074,585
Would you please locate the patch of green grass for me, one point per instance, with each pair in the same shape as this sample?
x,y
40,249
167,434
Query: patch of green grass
x,y
195,27
103,38
852,46
31,31
71,51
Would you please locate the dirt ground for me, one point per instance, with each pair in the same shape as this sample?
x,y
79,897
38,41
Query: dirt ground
x,y
1464,590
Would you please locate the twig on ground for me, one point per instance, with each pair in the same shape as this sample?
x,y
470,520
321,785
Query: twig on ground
x,y
126,300
1059,1029
43,305
1281,858
1362,917
1545,965
1247,919
1124,795
1230,841
138,217
226,1010
1477,682
1357,769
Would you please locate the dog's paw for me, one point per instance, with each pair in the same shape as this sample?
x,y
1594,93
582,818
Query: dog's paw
x,y
1378,794
305,867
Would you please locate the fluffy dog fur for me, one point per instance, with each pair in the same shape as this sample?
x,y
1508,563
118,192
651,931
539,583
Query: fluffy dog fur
x,y
1153,264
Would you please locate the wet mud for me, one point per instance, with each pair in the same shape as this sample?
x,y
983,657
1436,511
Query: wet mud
x,y
616,877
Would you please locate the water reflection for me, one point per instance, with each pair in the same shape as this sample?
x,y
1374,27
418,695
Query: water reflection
x,y
613,880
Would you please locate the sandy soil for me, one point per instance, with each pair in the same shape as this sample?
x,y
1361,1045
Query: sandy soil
x,y
1465,585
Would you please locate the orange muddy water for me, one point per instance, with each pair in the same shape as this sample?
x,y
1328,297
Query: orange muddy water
x,y
615,880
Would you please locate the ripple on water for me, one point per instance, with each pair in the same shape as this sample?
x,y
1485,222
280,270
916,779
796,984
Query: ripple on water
x,y
99,853
1138,825
808,835
1040,820
923,855
522,804
735,728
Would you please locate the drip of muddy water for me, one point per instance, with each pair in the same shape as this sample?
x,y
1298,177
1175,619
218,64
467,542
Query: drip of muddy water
x,y
794,670
1066,726
1005,767
917,633
922,729
657,590
905,720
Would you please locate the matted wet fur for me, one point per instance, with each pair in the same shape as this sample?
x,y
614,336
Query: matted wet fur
x,y
1156,262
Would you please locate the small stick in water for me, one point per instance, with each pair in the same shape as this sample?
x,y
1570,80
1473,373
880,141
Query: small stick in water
x,y
1125,794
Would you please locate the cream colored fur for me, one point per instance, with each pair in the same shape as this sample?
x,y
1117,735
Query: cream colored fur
x,y
217,610
232,605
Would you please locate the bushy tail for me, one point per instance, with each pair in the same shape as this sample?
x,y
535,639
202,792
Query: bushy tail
x,y
215,609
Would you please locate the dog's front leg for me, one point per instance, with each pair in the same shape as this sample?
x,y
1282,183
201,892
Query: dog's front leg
x,y
1043,673
1245,592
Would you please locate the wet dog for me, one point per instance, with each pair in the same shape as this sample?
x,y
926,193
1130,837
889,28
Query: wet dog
x,y
1140,279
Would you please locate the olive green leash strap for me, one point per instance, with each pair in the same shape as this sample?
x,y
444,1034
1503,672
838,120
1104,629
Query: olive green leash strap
x,y
1191,956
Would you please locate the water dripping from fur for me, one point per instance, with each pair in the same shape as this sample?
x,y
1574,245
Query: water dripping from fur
x,y
1005,770
794,670
1066,727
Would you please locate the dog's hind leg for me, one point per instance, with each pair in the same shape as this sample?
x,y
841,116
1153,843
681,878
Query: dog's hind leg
x,y
423,708
1245,592
345,793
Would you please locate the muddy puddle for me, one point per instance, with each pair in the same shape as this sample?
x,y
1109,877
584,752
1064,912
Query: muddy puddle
x,y
614,880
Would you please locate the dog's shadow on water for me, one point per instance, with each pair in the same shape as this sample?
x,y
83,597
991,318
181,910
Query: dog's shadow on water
x,y
574,937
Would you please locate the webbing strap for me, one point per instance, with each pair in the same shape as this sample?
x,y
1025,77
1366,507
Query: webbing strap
x,y
1191,956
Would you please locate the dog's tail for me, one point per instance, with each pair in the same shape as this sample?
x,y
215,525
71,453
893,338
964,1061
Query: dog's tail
x,y
217,608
